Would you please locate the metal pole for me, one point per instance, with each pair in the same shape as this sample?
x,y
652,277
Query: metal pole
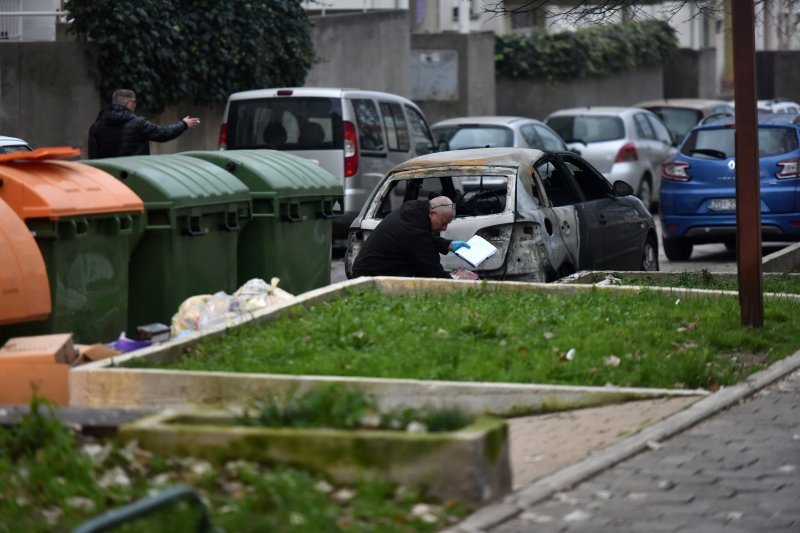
x,y
748,190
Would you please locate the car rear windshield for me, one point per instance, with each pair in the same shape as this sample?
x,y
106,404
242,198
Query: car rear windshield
x,y
293,123
588,128
721,143
460,137
678,120
472,195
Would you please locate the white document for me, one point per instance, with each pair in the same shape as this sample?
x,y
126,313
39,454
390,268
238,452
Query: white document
x,y
479,251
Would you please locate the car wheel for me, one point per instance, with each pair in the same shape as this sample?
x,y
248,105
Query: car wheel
x,y
650,254
730,244
677,249
645,193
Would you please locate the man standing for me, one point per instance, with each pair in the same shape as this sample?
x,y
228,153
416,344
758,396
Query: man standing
x,y
404,243
119,131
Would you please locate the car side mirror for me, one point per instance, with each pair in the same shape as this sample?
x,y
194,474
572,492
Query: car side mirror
x,y
622,188
443,146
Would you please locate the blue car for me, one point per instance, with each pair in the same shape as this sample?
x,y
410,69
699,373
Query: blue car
x,y
698,187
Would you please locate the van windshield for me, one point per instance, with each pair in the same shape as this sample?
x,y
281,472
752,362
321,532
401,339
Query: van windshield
x,y
292,123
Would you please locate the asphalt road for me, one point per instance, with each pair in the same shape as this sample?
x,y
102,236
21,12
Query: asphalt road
x,y
711,257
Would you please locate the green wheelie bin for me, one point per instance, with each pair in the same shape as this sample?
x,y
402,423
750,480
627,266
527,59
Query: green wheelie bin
x,y
293,203
194,213
86,224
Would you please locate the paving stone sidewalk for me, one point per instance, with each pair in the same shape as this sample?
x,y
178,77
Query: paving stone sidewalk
x,y
738,471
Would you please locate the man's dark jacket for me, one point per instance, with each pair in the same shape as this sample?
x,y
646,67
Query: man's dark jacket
x,y
118,132
403,244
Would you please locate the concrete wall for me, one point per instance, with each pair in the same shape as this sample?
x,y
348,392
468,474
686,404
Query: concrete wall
x,y
475,78
46,96
537,99
362,50
691,74
777,74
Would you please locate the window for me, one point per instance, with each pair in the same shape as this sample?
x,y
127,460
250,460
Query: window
x,y
660,130
643,127
421,138
286,123
711,144
550,140
481,137
556,184
396,129
531,137
370,134
592,185
589,128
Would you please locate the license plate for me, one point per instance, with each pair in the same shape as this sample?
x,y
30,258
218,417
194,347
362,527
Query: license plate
x,y
722,204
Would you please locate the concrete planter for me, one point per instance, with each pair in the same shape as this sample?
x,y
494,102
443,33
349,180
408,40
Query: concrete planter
x,y
591,277
107,384
471,464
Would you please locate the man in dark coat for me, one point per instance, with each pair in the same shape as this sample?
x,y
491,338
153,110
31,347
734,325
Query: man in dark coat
x,y
404,243
119,131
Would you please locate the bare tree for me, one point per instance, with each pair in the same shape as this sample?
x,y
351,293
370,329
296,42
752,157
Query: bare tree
x,y
595,11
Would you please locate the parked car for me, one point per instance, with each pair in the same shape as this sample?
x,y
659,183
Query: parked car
x,y
554,214
779,106
491,131
680,115
355,135
12,144
698,192
624,143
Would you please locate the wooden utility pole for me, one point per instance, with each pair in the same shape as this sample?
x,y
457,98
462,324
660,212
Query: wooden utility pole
x,y
748,186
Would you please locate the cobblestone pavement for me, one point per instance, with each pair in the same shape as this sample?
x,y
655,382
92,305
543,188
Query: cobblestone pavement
x,y
735,472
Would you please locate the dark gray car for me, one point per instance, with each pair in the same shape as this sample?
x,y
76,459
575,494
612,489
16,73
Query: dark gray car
x,y
549,214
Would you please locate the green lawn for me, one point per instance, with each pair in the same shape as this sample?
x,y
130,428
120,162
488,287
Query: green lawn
x,y
704,279
640,339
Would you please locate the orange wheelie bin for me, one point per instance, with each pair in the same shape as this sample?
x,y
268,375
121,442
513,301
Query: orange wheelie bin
x,y
85,224
24,289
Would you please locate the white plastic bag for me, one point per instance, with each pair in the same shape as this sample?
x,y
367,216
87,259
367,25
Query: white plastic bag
x,y
258,294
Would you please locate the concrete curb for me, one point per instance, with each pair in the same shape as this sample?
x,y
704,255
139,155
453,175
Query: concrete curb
x,y
544,488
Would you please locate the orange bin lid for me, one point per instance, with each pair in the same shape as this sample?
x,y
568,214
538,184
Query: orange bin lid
x,y
24,287
36,185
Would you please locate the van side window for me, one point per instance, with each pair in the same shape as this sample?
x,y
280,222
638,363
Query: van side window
x,y
370,136
396,129
421,138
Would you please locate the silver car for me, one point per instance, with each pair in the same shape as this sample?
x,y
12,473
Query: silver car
x,y
492,131
549,214
680,115
624,143
354,134
12,144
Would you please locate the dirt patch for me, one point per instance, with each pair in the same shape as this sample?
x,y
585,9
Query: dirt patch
x,y
543,444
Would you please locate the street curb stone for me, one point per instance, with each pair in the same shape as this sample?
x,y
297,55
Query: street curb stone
x,y
567,477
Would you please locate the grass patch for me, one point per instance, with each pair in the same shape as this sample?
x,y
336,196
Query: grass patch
x,y
52,480
704,279
334,406
642,339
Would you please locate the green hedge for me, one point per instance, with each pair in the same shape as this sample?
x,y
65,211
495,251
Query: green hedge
x,y
595,51
172,51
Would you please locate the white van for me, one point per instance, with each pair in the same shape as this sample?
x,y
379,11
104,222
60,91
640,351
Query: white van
x,y
355,135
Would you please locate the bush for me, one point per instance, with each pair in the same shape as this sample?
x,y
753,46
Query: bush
x,y
170,51
595,51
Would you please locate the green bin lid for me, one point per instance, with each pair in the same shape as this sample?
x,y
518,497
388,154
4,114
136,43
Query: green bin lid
x,y
175,181
277,173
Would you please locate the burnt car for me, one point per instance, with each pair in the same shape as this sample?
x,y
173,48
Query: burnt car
x,y
549,214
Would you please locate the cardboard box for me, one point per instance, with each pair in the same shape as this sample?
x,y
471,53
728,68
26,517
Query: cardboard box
x,y
36,365
88,353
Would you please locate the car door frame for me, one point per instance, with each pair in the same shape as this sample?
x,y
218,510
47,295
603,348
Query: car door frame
x,y
603,215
